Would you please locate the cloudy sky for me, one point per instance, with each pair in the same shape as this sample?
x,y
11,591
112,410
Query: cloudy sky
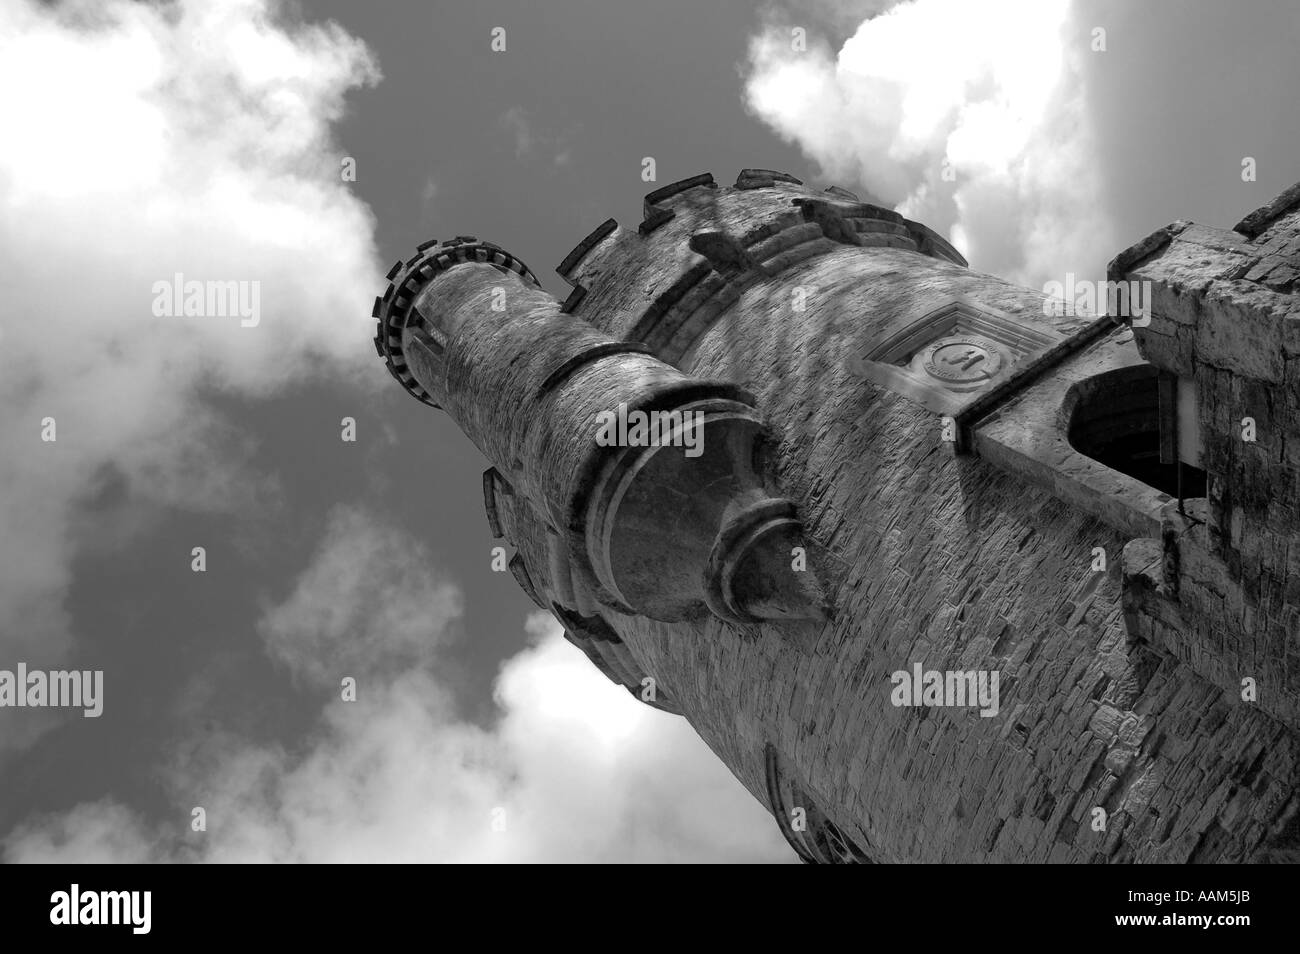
x,y
207,138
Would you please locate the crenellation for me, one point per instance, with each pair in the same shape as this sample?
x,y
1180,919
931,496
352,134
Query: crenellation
x,y
495,488
1262,220
581,250
703,180
655,219
841,193
763,179
519,570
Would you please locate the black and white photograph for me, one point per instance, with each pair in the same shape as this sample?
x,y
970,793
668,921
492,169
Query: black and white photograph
x,y
650,432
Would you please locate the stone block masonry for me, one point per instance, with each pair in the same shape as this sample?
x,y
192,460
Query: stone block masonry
x,y
905,463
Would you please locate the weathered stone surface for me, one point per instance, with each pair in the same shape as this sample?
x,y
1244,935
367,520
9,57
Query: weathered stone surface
x,y
1119,681
1262,218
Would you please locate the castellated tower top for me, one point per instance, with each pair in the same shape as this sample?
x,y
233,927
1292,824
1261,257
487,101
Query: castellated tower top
x,y
395,309
783,464
466,327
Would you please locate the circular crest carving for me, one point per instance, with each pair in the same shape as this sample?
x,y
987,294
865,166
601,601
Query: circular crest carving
x,y
960,362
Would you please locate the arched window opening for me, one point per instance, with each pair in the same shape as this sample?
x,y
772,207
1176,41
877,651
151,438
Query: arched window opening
x,y
1119,419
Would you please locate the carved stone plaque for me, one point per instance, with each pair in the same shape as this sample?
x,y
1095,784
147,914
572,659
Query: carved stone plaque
x,y
960,362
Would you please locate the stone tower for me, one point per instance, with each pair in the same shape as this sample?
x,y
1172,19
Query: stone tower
x,y
940,572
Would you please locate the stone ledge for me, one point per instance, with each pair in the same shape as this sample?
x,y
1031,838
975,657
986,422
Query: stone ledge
x,y
1257,222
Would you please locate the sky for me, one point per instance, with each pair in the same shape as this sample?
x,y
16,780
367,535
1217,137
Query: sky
x,y
208,139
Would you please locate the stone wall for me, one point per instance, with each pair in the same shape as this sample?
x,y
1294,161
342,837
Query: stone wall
x,y
927,556
951,562
1226,318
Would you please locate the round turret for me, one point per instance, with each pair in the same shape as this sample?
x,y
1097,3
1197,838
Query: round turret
x,y
394,312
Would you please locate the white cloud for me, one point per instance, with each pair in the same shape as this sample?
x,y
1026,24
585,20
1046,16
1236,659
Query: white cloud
x,y
582,770
142,141
368,603
995,90
95,833
515,122
527,141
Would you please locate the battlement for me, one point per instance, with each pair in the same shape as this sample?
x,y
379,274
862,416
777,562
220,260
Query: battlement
x,y
394,309
700,246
